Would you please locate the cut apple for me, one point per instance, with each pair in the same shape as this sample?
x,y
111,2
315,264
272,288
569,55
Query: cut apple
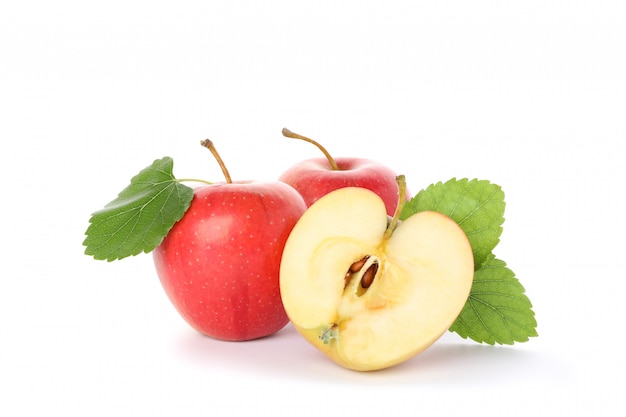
x,y
369,294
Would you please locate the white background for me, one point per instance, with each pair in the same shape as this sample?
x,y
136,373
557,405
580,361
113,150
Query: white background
x,y
530,95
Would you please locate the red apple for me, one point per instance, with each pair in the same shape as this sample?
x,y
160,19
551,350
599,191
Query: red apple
x,y
219,265
314,178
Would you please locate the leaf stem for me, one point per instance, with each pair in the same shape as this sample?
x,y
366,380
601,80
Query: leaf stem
x,y
207,143
193,180
289,134
401,180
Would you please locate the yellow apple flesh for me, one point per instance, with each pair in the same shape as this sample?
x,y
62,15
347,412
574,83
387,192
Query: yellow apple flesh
x,y
370,299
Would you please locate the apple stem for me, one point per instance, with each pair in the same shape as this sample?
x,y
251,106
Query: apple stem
x,y
401,180
289,134
207,143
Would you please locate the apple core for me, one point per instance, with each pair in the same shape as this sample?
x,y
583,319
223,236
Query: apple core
x,y
368,292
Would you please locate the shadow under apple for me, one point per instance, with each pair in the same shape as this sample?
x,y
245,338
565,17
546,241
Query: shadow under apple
x,y
449,361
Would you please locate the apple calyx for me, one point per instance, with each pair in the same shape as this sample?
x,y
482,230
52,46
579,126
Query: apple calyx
x,y
207,143
289,134
329,334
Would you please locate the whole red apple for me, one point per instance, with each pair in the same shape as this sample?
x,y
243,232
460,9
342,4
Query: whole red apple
x,y
219,265
314,178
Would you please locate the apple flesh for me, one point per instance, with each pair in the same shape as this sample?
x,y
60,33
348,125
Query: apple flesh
x,y
367,298
219,265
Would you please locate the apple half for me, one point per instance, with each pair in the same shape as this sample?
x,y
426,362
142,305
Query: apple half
x,y
367,294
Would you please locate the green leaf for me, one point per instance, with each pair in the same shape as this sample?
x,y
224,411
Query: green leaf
x,y
476,205
141,215
497,310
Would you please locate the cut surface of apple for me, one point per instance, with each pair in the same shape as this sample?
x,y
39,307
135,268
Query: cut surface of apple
x,y
367,297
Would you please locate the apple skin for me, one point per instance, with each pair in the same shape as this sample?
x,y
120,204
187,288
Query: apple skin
x,y
219,265
314,178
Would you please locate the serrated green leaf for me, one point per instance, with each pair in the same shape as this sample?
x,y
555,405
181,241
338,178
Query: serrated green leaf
x,y
476,205
141,215
497,310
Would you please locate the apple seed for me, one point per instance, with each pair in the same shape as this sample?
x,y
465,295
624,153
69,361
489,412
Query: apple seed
x,y
369,275
356,266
